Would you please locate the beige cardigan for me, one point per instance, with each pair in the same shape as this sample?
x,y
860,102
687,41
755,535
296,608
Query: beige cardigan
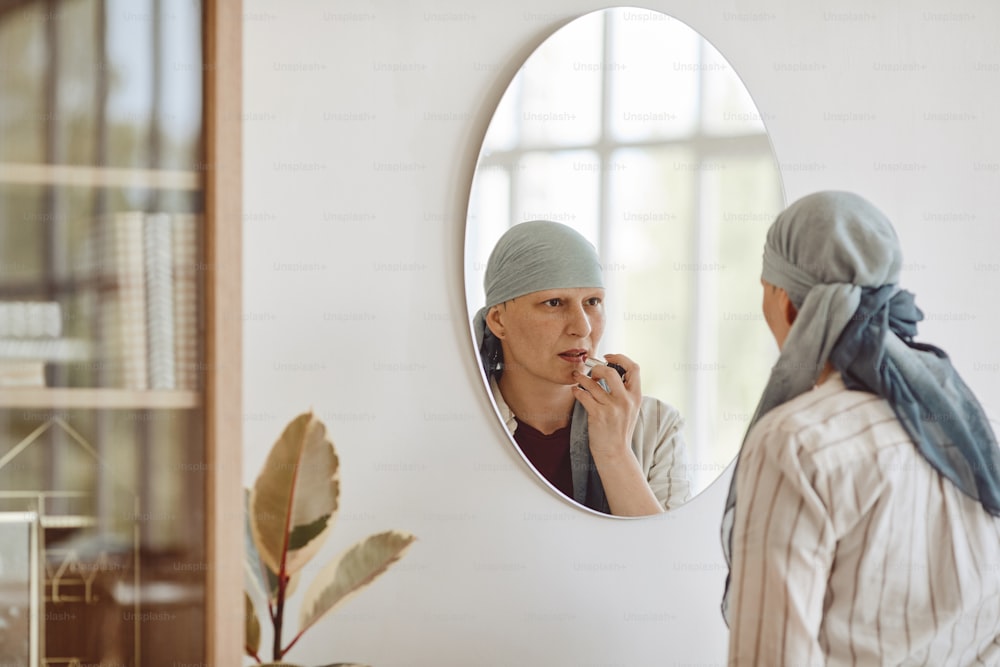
x,y
657,444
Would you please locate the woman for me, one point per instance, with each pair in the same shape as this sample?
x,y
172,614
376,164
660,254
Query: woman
x,y
595,438
866,530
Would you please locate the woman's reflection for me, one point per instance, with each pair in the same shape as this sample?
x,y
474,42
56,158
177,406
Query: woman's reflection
x,y
596,439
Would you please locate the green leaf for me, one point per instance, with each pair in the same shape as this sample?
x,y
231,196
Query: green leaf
x,y
350,572
251,627
296,494
302,535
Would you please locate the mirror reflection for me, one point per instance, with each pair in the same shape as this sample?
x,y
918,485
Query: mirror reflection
x,y
630,128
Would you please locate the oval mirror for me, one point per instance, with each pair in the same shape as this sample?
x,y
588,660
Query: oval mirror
x,y
631,128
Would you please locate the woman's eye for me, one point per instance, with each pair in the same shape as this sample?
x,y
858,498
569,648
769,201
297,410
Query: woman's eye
x,y
594,301
553,302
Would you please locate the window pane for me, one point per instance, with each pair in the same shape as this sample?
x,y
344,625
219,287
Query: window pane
x,y
561,186
561,90
502,133
651,307
489,218
641,54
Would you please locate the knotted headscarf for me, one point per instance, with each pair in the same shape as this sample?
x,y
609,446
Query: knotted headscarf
x,y
838,258
531,257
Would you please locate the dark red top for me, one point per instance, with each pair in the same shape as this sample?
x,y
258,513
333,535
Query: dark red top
x,y
548,453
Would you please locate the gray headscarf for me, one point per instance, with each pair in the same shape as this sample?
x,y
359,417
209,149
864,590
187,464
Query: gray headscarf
x,y
530,257
838,258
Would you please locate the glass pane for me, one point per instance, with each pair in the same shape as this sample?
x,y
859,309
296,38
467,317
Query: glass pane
x,y
123,546
561,186
180,86
664,110
76,79
124,287
22,88
490,207
561,92
502,133
18,597
652,209
101,275
154,98
130,64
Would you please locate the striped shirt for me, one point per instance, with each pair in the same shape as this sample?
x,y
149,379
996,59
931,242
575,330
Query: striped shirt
x,y
848,548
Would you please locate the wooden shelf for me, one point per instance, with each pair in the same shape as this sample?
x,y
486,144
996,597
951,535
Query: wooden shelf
x,y
67,521
105,177
98,398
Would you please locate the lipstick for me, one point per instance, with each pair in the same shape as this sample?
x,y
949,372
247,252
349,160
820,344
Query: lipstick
x,y
590,362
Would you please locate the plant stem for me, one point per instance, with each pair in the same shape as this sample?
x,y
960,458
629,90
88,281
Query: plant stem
x,y
279,615
292,643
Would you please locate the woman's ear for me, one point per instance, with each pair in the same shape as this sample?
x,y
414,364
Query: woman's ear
x,y
788,308
494,320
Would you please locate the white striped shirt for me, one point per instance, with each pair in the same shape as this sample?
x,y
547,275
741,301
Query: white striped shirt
x,y
850,549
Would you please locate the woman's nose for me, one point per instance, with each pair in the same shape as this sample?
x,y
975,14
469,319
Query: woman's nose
x,y
578,323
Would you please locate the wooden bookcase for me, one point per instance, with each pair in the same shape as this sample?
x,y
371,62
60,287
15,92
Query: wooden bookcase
x,y
161,423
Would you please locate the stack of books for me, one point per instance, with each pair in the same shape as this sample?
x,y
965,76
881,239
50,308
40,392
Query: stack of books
x,y
30,338
147,315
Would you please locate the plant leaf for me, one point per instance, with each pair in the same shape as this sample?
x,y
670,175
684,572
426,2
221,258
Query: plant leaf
x,y
272,581
251,627
253,565
303,534
296,494
350,572
265,582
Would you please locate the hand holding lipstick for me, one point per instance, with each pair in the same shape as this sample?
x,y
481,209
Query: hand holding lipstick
x,y
611,420
611,414
591,362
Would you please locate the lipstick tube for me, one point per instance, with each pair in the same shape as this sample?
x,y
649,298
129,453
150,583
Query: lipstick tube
x,y
592,361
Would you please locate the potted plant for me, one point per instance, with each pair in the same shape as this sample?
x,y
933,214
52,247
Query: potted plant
x,y
289,513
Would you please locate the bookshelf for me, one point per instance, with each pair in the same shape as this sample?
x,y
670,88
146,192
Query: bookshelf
x,y
135,482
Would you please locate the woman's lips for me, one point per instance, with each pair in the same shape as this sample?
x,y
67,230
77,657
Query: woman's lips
x,y
574,356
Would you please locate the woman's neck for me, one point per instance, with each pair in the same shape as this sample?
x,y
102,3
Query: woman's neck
x,y
824,374
541,405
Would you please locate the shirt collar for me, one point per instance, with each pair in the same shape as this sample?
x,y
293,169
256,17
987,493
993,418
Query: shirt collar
x,y
506,414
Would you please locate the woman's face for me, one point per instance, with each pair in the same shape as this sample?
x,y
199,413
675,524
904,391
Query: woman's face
x,y
547,335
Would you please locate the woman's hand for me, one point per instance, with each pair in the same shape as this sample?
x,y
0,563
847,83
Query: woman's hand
x,y
611,415
611,418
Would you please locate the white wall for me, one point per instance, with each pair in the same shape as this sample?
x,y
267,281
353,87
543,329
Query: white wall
x,y
362,128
